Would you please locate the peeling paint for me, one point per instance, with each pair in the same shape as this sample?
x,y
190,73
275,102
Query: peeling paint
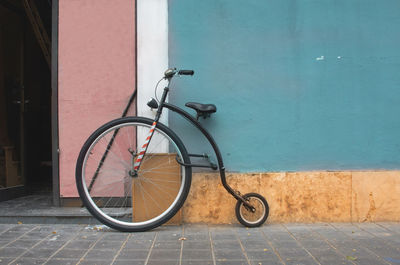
x,y
320,58
372,208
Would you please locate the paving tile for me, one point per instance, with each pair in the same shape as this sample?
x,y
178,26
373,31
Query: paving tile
x,y
61,237
9,252
129,262
251,236
133,254
176,244
227,244
266,262
62,262
3,243
217,236
138,244
88,236
261,255
334,261
285,243
51,244
277,236
4,227
115,236
34,236
173,236
197,262
255,245
197,255
28,261
161,254
24,243
69,253
39,253
229,254
100,254
142,236
201,245
22,228
95,262
163,262
231,262
391,260
6,260
309,243
300,261
10,235
197,237
292,252
370,261
79,244
325,253
108,245
384,251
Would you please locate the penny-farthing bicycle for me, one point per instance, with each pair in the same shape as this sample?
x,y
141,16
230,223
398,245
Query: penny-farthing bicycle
x,y
134,173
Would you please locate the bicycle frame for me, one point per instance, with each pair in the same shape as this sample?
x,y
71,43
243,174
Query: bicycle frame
x,y
210,139
132,151
193,121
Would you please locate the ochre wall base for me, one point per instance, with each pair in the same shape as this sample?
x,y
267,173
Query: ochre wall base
x,y
347,196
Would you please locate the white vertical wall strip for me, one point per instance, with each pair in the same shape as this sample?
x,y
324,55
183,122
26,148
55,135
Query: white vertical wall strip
x,y
152,55
152,42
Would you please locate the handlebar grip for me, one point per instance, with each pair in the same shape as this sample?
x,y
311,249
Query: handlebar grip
x,y
186,72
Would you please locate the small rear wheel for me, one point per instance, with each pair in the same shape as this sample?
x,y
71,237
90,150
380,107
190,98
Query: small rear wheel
x,y
250,218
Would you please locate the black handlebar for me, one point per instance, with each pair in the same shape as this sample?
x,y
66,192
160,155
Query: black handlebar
x,y
172,71
186,72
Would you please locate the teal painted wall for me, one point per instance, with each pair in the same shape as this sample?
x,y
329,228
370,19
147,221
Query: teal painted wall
x,y
299,85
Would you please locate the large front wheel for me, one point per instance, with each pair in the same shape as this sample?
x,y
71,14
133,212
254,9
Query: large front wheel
x,y
127,199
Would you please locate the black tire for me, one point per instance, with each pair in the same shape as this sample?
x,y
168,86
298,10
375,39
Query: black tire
x,y
120,199
248,218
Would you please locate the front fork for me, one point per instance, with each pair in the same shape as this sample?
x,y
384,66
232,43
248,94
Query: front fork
x,y
236,194
136,163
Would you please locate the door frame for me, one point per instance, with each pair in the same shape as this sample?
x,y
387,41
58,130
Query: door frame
x,y
54,103
18,191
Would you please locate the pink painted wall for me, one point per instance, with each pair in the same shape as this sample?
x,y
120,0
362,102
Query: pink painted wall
x,y
96,73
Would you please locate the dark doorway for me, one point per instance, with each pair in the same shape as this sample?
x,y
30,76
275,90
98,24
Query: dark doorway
x,y
25,98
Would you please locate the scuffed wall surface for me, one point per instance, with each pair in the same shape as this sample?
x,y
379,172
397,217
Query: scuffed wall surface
x,y
376,196
96,73
299,197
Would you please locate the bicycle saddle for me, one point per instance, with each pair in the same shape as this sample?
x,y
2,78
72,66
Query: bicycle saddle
x,y
202,108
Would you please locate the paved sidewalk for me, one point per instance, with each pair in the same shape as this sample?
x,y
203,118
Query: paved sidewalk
x,y
374,243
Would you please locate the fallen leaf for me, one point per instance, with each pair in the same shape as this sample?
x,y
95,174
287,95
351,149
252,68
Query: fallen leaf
x,y
54,232
354,250
182,238
265,249
19,222
351,258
